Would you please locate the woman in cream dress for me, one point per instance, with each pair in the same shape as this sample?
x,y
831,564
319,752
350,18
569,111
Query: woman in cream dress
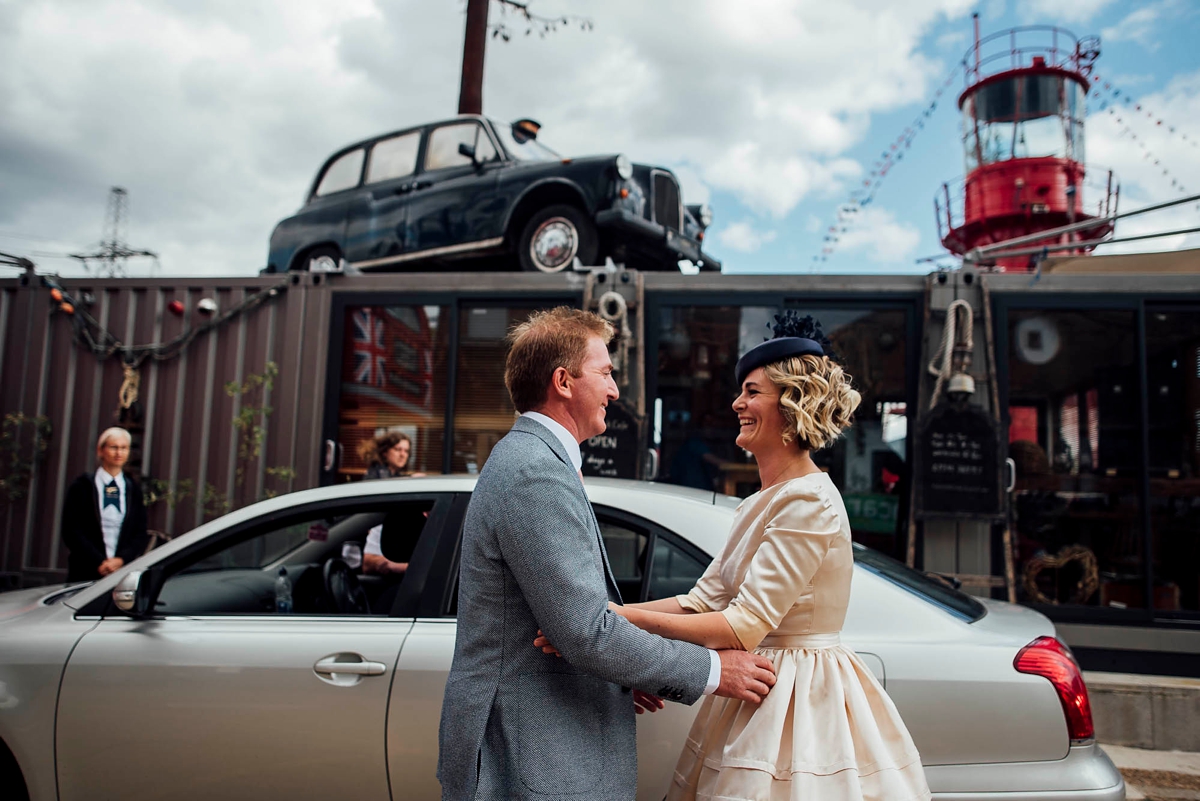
x,y
827,730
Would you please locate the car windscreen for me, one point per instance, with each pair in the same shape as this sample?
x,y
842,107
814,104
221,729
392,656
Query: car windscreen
x,y
957,603
524,150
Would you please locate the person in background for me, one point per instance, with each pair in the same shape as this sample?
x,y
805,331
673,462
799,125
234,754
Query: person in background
x,y
104,514
386,456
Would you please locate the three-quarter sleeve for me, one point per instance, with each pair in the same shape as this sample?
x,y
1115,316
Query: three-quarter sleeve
x,y
799,532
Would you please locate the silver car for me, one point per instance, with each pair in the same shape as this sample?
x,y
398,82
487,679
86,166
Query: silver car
x,y
184,676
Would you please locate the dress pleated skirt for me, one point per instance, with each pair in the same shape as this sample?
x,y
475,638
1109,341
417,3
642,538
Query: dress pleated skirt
x,y
827,731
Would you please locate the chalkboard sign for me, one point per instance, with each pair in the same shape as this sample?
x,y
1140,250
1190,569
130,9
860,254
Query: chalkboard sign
x,y
615,453
959,473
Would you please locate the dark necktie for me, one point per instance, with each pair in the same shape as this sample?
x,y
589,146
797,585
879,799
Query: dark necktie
x,y
112,495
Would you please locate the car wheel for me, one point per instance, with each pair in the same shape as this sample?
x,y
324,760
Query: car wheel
x,y
554,237
322,260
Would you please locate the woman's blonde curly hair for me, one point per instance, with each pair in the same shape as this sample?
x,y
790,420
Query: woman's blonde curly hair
x,y
815,397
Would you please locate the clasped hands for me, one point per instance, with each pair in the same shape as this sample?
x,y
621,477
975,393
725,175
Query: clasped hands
x,y
110,565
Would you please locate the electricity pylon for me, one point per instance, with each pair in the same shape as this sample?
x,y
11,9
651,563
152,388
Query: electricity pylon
x,y
112,254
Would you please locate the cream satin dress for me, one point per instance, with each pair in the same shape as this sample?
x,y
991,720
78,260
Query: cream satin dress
x,y
827,731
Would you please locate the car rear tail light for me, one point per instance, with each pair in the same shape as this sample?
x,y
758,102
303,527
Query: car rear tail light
x,y
1049,658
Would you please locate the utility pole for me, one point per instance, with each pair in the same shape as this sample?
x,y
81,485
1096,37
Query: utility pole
x,y
470,92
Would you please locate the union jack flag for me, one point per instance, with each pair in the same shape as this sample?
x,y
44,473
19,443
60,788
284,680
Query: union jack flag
x,y
370,354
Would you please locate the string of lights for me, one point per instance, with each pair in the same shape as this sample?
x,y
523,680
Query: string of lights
x,y
102,343
1147,154
863,195
1107,92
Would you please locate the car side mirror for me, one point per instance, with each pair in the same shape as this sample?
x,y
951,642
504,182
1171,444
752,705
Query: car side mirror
x,y
469,151
135,592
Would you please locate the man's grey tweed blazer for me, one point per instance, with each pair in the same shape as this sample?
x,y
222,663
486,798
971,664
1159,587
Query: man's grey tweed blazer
x,y
517,723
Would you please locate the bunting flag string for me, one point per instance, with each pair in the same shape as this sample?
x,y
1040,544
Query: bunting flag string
x,y
1108,93
1147,154
848,212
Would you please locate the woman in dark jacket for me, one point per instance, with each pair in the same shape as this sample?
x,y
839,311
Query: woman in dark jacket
x,y
104,515
387,455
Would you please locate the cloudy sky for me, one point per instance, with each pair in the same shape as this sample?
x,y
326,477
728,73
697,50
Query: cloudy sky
x,y
214,114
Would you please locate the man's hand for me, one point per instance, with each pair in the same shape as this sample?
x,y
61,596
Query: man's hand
x,y
645,702
543,642
110,565
745,676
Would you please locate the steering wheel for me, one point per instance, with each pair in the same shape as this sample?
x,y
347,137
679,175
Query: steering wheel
x,y
343,594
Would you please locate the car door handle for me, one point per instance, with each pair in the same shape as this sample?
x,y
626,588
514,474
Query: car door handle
x,y
330,665
402,189
421,185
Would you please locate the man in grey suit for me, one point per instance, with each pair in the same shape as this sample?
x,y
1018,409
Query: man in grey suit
x,y
516,722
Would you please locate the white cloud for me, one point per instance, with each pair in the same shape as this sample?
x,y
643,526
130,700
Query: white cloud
x,y
880,237
1062,11
744,237
215,115
956,40
1140,25
1142,181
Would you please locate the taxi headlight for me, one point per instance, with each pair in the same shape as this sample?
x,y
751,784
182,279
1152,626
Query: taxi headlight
x,y
624,167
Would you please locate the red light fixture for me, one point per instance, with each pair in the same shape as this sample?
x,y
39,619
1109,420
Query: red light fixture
x,y
176,307
1050,659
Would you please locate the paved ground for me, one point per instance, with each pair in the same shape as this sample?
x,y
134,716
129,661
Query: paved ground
x,y
1157,775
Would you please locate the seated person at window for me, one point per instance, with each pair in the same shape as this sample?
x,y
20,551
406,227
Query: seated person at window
x,y
390,545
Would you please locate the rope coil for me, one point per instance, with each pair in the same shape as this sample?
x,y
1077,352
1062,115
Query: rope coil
x,y
953,339
127,395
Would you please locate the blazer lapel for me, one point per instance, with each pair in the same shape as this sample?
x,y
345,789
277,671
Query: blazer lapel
x,y
528,426
95,500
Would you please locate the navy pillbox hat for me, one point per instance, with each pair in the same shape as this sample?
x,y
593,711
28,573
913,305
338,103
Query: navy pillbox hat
x,y
774,350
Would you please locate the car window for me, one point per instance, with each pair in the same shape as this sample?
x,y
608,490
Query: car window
x,y
957,603
310,565
626,548
342,174
674,571
442,150
393,158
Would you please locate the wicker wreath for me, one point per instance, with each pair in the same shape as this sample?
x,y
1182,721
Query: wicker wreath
x,y
1085,588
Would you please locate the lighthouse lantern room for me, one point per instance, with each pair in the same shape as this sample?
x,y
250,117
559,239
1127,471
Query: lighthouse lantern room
x,y
1023,113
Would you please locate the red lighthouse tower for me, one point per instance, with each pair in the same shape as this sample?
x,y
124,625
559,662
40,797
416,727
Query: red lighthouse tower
x,y
1023,112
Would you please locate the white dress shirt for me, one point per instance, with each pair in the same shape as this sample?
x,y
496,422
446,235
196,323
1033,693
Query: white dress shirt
x,y
111,517
374,546
568,441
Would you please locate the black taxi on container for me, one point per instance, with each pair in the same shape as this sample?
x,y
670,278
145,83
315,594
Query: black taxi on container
x,y
471,187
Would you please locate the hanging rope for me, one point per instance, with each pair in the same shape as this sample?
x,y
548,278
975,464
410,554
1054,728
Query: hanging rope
x,y
128,394
953,339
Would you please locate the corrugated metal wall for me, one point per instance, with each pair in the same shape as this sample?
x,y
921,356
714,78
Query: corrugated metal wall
x,y
189,441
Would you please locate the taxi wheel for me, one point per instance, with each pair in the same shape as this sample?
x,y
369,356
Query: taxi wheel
x,y
554,237
321,260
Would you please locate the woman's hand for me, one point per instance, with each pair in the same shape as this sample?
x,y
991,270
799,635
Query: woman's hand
x,y
645,702
547,647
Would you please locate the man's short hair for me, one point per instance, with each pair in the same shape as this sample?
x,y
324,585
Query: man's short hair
x,y
548,340
116,432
